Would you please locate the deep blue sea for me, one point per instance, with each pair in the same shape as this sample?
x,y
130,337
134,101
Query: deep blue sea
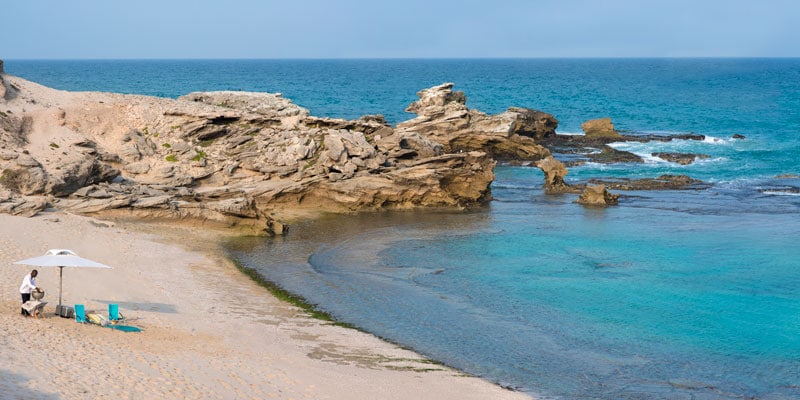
x,y
670,295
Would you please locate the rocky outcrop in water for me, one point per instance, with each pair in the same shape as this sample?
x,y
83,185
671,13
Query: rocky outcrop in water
x,y
597,196
593,146
610,155
681,158
554,173
600,128
663,182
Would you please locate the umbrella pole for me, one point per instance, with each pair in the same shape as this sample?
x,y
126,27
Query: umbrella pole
x,y
60,279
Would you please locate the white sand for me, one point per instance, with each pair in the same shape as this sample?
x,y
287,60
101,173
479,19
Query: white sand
x,y
209,332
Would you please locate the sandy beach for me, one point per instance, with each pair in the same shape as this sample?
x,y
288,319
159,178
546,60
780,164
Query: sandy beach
x,y
208,331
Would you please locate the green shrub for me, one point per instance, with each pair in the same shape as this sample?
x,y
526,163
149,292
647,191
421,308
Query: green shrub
x,y
199,156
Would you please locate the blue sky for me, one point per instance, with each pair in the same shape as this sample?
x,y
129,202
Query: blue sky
x,y
58,29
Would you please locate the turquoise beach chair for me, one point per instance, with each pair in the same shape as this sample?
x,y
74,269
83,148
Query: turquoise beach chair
x,y
113,312
80,313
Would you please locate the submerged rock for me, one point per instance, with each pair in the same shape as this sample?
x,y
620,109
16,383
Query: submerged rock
x,y
610,155
585,144
663,182
681,158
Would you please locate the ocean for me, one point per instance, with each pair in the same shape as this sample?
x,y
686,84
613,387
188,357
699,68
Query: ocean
x,y
670,295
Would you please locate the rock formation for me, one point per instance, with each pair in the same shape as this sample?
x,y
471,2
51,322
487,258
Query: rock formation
x,y
533,123
681,158
256,160
598,196
248,159
593,146
663,182
610,155
601,127
554,173
442,116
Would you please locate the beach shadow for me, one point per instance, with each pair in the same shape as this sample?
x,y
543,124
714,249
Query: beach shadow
x,y
13,386
163,308
12,91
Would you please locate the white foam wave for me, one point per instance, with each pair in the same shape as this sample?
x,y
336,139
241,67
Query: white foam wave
x,y
664,132
716,140
780,193
646,150
592,165
709,160
622,145
649,158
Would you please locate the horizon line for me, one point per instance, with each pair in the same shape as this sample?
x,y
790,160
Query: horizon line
x,y
411,58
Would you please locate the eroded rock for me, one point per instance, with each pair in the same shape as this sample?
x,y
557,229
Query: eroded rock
x,y
663,182
554,173
610,155
598,196
681,158
442,116
600,128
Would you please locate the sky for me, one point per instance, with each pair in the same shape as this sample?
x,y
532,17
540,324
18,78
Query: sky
x,y
223,29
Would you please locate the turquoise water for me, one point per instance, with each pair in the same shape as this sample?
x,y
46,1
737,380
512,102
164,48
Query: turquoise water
x,y
679,294
662,297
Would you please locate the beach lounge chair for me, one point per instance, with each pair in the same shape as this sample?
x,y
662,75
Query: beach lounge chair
x,y
80,313
113,312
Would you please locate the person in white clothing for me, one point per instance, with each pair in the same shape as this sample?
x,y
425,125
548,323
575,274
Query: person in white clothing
x,y
28,285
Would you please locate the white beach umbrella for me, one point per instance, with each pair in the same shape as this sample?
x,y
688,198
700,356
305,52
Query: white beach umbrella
x,y
60,258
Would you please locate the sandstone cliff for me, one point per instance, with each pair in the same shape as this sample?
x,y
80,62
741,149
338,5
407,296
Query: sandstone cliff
x,y
246,159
